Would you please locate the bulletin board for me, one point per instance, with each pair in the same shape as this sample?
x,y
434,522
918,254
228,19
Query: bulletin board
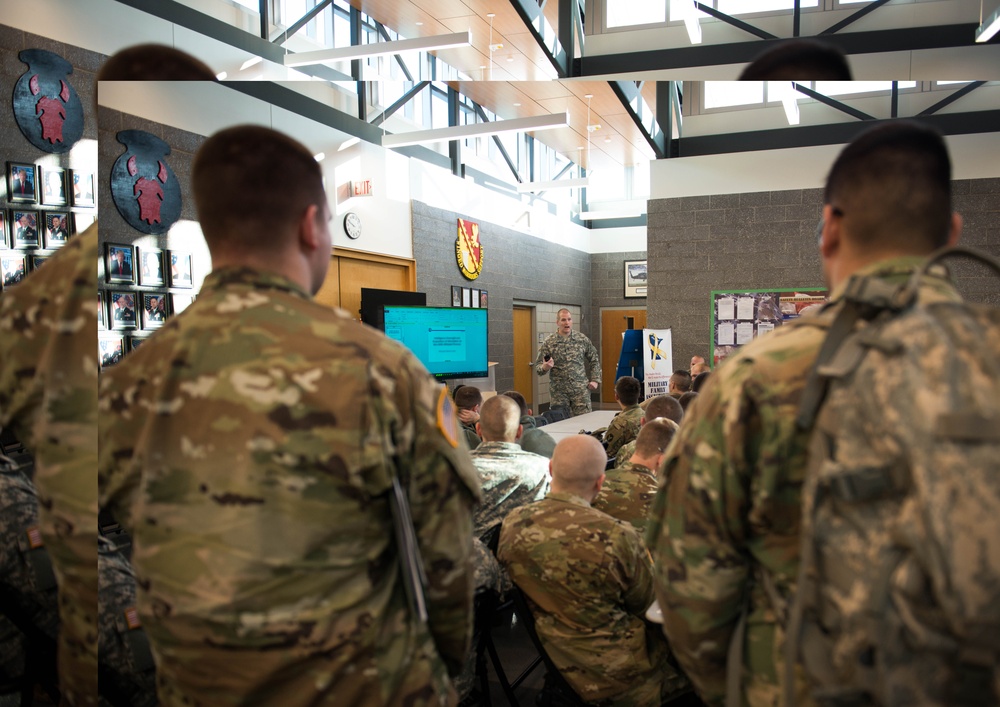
x,y
740,316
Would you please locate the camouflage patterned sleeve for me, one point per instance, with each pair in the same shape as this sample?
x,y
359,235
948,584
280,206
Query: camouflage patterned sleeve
x,y
543,351
443,489
593,363
638,594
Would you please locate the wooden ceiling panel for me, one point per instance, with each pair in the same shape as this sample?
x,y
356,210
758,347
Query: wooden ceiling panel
x,y
604,100
440,9
543,90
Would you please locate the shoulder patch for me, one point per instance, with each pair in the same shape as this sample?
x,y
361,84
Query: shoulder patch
x,y
447,418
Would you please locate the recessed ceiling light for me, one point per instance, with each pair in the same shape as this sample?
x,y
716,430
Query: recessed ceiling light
x,y
588,95
491,14
420,24
517,105
607,139
510,58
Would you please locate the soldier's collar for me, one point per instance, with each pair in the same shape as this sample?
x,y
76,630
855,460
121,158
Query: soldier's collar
x,y
256,279
568,498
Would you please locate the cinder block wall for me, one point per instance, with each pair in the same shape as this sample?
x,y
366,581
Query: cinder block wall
x,y
515,267
765,240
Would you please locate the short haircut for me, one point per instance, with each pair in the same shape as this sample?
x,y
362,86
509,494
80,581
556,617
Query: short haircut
x,y
699,381
519,399
682,380
577,462
664,406
468,397
799,60
699,368
154,62
627,389
686,399
892,186
559,313
654,437
499,419
251,185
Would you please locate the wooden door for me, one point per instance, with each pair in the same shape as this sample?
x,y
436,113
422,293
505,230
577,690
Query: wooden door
x,y
614,322
524,374
351,270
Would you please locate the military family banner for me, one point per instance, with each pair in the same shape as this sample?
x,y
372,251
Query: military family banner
x,y
658,361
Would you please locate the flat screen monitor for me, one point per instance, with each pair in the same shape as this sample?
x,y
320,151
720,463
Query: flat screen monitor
x,y
451,342
373,300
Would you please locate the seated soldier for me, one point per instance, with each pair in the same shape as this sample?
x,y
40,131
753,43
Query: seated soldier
x,y
658,406
511,477
629,489
468,398
626,423
686,399
680,383
588,581
532,439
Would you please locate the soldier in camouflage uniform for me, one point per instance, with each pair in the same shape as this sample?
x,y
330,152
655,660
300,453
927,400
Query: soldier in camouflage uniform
x,y
575,367
532,439
253,446
48,396
727,515
659,406
624,427
629,490
510,476
588,580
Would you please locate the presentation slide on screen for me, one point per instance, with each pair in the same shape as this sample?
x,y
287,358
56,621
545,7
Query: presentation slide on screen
x,y
448,341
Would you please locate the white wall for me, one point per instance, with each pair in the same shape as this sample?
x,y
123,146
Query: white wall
x,y
973,157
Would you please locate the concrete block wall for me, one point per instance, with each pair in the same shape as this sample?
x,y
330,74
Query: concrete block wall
x,y
765,240
515,267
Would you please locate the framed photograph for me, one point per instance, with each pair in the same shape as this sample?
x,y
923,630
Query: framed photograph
x,y
178,303
456,296
13,268
466,297
110,349
180,269
150,266
37,260
102,312
4,243
57,228
635,278
24,229
475,298
53,182
154,309
136,340
21,184
118,263
81,222
483,300
122,305
82,187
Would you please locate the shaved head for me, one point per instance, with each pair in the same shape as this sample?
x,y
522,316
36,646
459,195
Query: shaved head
x,y
664,406
499,418
577,464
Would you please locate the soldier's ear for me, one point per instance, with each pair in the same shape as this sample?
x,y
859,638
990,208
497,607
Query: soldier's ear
x,y
309,229
520,431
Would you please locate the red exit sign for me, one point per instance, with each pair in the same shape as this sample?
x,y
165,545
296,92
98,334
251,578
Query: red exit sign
x,y
363,187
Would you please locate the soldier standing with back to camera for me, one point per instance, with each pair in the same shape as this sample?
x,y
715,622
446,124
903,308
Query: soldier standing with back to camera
x,y
575,367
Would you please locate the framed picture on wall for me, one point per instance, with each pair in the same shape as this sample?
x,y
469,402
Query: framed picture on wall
x,y
150,266
636,278
4,243
123,314
119,264
82,187
37,260
136,340
102,311
154,309
53,182
21,185
111,349
483,300
13,268
81,222
180,269
24,229
180,302
466,297
475,298
456,296
57,228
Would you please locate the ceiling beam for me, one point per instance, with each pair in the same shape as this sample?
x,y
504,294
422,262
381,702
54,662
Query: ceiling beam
x,y
303,21
627,91
189,18
888,40
403,100
952,98
534,19
985,121
832,102
851,19
737,23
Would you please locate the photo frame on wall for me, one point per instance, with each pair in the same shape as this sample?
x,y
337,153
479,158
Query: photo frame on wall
x,y
102,312
178,303
119,263
4,243
24,229
57,228
122,306
53,181
154,309
475,298
81,222
13,268
151,266
136,340
466,297
456,296
636,278
483,300
180,269
110,349
37,261
82,188
21,183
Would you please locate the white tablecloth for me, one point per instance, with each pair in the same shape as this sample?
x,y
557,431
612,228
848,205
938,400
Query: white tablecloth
x,y
571,426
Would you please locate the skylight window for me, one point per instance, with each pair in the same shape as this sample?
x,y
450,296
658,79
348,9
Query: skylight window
x,y
746,7
724,94
636,12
